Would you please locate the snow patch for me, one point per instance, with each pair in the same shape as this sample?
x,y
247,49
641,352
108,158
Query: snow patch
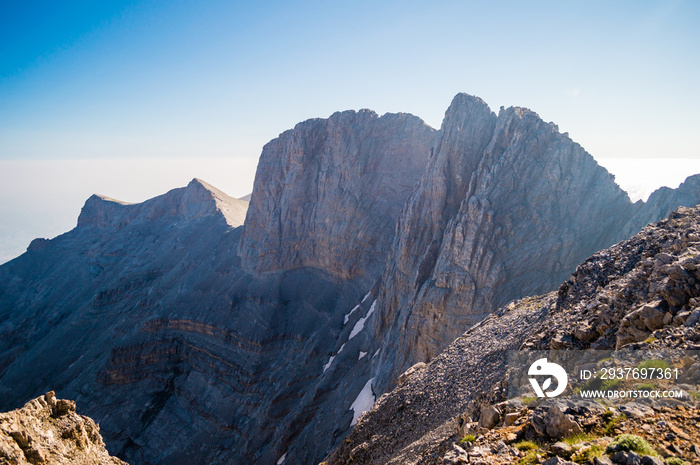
x,y
328,365
362,354
282,459
360,325
347,317
330,360
363,402
365,297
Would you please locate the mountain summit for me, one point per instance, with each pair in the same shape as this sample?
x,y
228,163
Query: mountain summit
x,y
370,243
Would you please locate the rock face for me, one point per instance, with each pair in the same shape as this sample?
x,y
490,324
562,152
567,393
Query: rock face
x,y
48,430
369,244
467,381
328,192
508,207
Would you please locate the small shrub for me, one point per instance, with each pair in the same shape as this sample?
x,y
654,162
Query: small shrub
x,y
660,364
612,424
631,442
650,339
598,384
529,459
468,438
675,461
526,445
577,438
527,400
587,454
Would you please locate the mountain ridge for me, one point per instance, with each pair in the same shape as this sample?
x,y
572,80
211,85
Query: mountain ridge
x,y
369,244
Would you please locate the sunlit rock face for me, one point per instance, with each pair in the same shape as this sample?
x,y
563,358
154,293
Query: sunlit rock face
x,y
327,193
508,207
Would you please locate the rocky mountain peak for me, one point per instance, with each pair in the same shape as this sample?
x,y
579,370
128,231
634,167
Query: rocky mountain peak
x,y
198,199
328,192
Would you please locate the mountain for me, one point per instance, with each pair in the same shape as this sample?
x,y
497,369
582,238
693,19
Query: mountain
x,y
597,307
369,244
327,193
513,207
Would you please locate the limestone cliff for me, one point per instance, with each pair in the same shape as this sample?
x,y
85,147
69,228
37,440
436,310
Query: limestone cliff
x,y
507,208
48,430
328,192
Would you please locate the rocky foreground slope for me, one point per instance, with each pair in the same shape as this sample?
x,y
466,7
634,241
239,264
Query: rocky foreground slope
x,y
641,294
369,244
48,430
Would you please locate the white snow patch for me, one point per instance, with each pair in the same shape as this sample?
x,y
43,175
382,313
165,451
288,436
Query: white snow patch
x,y
282,459
362,354
365,297
363,402
360,325
377,352
330,360
347,317
328,365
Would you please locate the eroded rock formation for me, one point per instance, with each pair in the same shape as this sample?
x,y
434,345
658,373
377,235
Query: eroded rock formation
x,y
327,193
48,430
507,208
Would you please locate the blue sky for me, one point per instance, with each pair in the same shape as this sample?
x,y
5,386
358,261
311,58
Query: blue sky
x,y
210,78
193,82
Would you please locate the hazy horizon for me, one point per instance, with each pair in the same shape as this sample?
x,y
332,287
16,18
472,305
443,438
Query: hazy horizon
x,y
87,88
48,203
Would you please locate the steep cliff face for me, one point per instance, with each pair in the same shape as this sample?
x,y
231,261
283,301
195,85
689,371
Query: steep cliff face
x,y
328,192
512,206
611,296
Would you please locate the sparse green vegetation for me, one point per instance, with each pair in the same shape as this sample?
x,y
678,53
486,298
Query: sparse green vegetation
x,y
598,384
659,364
650,339
527,400
587,454
526,445
577,438
612,424
529,459
631,442
468,438
675,461
646,387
